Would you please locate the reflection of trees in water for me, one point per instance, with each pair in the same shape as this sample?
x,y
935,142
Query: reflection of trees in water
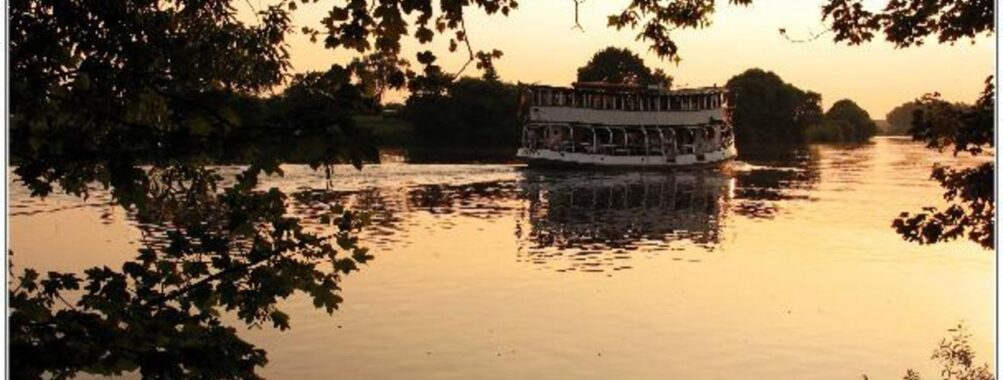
x,y
769,177
379,206
484,199
389,211
586,221
595,223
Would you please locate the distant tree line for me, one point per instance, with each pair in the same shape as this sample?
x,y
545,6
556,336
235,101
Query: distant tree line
x,y
900,119
469,113
311,120
312,115
845,121
770,113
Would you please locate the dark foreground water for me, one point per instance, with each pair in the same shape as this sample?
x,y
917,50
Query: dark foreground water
x,y
766,268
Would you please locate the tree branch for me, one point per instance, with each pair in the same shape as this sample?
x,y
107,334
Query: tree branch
x,y
577,25
470,50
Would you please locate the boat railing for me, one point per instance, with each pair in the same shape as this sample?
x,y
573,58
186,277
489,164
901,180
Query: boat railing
x,y
666,141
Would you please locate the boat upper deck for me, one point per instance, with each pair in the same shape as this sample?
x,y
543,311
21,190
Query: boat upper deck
x,y
621,97
617,104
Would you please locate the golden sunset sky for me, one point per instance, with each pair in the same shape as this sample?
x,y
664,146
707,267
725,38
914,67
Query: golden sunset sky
x,y
540,46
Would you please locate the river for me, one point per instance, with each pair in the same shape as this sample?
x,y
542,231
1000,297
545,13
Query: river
x,y
781,267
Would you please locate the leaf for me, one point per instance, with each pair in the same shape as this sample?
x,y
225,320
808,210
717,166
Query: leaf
x,y
279,319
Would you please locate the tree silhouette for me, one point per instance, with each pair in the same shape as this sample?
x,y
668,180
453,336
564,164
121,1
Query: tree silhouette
x,y
969,191
99,89
900,118
769,110
472,114
845,121
620,65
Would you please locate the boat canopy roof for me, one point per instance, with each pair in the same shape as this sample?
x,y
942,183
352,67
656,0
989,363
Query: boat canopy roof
x,y
628,88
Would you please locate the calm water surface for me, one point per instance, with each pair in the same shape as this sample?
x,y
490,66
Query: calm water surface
x,y
766,268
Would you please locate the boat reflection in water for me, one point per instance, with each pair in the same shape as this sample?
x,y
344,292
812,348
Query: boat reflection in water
x,y
596,222
587,221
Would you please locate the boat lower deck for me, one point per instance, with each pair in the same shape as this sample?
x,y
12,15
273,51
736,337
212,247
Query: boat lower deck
x,y
546,157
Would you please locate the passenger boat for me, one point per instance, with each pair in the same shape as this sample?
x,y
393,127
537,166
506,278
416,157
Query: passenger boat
x,y
601,124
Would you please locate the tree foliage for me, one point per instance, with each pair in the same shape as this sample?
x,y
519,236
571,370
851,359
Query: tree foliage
x,y
473,113
235,251
908,22
769,110
378,73
900,118
655,20
100,88
903,22
957,359
845,121
620,65
971,207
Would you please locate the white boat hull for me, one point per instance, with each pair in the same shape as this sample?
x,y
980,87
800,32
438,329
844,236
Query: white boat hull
x,y
551,157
